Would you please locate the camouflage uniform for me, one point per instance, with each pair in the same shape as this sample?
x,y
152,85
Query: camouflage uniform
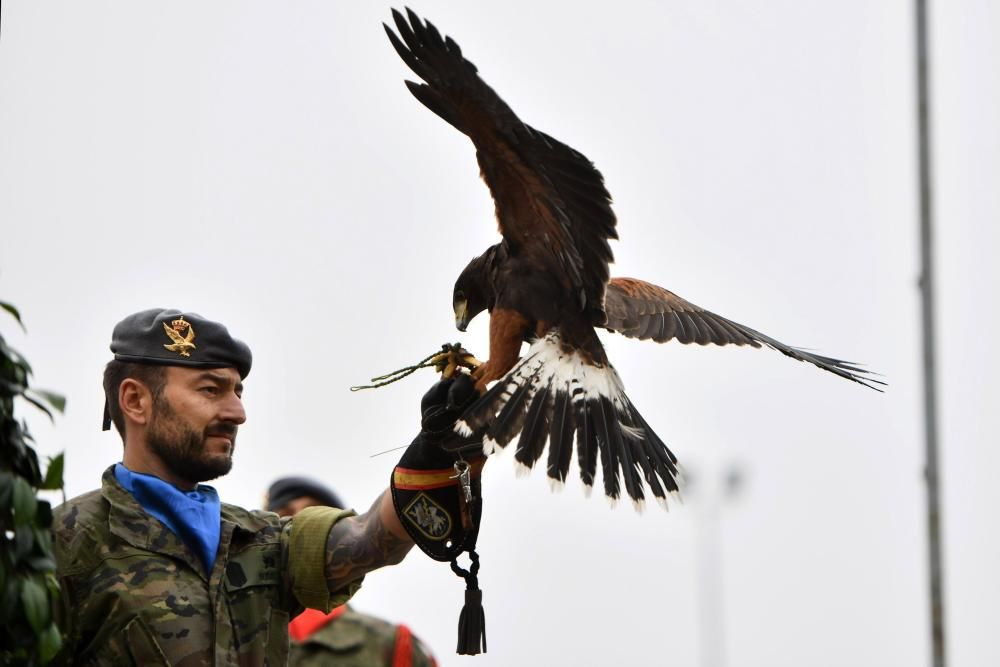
x,y
134,593
353,639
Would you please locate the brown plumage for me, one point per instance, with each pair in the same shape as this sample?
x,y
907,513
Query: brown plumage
x,y
547,282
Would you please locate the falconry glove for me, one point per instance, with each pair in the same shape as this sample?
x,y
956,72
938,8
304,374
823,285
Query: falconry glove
x,y
437,495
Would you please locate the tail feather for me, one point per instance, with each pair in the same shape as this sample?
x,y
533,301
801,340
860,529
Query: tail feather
x,y
586,455
635,427
508,396
483,412
662,459
536,429
556,395
510,419
630,474
649,472
609,456
561,437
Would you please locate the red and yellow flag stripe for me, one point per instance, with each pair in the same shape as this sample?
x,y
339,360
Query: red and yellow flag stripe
x,y
422,480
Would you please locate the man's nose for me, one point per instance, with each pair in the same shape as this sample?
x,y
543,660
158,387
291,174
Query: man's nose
x,y
233,410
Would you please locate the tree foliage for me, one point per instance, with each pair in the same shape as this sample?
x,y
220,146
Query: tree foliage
x,y
28,586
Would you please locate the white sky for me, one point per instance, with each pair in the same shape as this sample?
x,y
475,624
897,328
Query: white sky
x,y
263,165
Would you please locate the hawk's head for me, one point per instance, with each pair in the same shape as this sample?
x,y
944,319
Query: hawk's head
x,y
474,290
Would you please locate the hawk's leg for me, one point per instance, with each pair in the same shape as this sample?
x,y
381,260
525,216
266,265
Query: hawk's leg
x,y
453,357
507,330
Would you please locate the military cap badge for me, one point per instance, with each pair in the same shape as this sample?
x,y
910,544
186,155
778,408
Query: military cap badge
x,y
183,342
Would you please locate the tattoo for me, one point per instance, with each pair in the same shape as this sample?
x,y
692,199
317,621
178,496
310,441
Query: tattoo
x,y
360,544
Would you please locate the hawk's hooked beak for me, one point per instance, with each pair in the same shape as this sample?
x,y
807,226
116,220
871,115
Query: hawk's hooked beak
x,y
461,314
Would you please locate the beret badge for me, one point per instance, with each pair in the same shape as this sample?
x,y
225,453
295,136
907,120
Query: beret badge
x,y
181,333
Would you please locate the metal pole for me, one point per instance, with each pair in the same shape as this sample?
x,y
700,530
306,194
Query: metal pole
x,y
712,650
927,318
711,589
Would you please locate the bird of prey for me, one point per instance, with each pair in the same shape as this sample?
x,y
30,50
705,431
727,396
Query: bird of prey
x,y
547,283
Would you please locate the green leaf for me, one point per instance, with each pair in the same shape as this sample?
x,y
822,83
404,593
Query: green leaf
x,y
54,475
42,538
24,542
13,311
35,602
57,401
15,358
38,404
6,490
53,584
42,564
9,596
25,503
49,643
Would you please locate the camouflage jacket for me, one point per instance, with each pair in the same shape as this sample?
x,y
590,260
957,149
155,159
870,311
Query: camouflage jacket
x,y
134,593
347,638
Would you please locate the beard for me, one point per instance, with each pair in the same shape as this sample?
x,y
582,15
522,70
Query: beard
x,y
182,448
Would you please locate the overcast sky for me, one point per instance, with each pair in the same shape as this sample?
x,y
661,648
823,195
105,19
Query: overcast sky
x,y
262,164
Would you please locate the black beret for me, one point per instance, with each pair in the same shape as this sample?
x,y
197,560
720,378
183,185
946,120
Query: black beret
x,y
175,338
287,489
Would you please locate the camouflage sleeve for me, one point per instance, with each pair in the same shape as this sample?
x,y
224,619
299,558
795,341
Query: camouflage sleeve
x,y
307,546
421,654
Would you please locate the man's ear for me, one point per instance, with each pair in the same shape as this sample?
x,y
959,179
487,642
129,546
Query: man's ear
x,y
135,401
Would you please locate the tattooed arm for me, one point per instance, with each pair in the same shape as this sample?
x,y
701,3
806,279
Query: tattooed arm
x,y
358,545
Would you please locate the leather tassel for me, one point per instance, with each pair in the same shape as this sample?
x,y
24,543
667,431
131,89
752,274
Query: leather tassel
x,y
472,620
472,624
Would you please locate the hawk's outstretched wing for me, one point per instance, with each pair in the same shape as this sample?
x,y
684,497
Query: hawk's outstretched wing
x,y
551,202
638,309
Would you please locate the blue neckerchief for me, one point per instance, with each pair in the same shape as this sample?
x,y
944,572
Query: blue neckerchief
x,y
193,516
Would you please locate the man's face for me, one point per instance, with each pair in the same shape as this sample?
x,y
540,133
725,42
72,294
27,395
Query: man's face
x,y
194,422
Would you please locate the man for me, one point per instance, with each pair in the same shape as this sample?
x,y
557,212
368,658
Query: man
x,y
343,637
154,568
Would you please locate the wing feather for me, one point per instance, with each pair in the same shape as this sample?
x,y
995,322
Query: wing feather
x,y
638,309
551,202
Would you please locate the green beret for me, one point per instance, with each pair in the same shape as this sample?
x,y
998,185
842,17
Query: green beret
x,y
175,338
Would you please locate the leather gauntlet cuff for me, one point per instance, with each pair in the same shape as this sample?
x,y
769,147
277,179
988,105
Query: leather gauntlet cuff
x,y
440,507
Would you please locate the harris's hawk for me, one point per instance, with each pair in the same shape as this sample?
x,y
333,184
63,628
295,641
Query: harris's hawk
x,y
547,283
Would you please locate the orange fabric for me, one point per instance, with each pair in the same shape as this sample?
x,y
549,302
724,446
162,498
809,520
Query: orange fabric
x,y
402,656
311,620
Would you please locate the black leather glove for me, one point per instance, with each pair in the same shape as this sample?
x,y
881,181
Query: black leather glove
x,y
435,487
437,496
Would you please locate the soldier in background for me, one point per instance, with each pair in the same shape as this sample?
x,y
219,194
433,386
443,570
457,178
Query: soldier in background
x,y
344,637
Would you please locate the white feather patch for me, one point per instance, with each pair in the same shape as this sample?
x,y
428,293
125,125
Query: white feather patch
x,y
547,364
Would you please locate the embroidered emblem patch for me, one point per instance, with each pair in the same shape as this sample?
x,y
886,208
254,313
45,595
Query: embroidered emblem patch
x,y
432,520
182,333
